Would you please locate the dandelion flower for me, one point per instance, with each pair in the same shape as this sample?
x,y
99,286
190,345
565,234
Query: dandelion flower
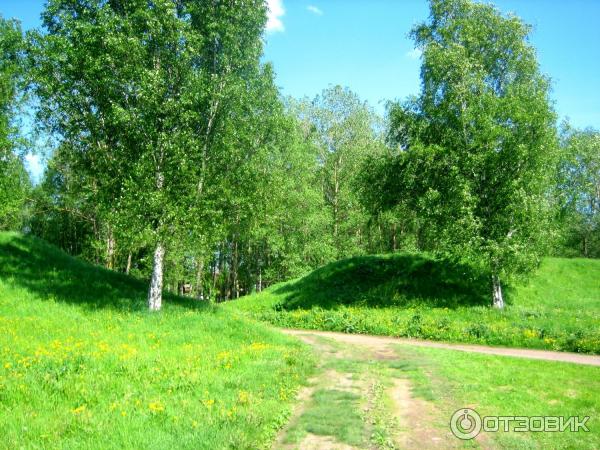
x,y
156,406
79,409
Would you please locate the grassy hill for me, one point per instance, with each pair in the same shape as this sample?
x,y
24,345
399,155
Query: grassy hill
x,y
83,365
418,296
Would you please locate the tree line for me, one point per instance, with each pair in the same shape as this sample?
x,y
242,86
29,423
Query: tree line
x,y
176,159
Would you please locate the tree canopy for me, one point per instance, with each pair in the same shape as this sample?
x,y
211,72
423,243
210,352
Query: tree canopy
x,y
475,149
176,158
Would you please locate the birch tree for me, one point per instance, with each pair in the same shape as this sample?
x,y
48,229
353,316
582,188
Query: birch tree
x,y
345,130
126,84
476,148
578,189
14,181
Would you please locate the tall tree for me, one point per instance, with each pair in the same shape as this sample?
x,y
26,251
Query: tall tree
x,y
126,84
579,190
476,148
345,130
14,181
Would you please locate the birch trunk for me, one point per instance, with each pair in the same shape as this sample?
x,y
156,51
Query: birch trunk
x,y
156,284
236,281
259,279
498,300
199,284
128,267
110,250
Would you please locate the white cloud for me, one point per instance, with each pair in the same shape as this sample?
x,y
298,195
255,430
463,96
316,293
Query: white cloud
x,y
315,10
274,14
415,53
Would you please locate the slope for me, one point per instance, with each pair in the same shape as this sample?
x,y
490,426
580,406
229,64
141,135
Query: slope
x,y
83,365
412,295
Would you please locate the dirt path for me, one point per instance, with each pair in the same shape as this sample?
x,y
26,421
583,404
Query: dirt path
x,y
360,400
363,395
380,343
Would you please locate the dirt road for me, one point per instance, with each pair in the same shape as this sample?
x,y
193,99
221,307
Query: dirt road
x,y
382,341
363,396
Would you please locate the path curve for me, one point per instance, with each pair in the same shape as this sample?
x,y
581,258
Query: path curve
x,y
364,339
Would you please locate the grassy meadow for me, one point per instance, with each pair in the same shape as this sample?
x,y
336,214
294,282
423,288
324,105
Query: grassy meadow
x,y
506,386
413,295
83,365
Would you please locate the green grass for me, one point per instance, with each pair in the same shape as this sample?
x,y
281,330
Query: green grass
x,y
349,403
331,413
505,386
413,295
83,365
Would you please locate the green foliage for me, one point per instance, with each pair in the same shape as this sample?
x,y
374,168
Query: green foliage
x,y
84,365
61,212
345,131
157,119
416,296
578,192
14,181
11,76
475,151
15,186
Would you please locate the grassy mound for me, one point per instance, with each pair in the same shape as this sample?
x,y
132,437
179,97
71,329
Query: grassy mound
x,y
417,296
83,365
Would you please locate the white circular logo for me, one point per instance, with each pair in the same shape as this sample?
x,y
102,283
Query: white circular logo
x,y
465,423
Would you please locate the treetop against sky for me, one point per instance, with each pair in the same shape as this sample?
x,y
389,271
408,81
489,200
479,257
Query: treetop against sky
x,y
365,45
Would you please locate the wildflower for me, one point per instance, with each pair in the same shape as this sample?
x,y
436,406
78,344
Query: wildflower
x,y
223,355
156,406
208,403
258,346
530,333
123,413
243,396
283,394
78,410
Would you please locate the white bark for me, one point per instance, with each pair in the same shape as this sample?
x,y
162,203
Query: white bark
x,y
156,283
498,299
259,279
128,268
110,250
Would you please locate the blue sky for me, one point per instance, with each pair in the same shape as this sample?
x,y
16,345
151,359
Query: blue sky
x,y
363,44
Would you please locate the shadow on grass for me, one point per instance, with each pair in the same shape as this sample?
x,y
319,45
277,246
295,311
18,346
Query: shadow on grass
x,y
392,280
50,273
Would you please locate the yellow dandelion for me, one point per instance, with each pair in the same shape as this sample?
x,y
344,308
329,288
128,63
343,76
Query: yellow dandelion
x,y
243,396
156,406
223,355
78,410
258,346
